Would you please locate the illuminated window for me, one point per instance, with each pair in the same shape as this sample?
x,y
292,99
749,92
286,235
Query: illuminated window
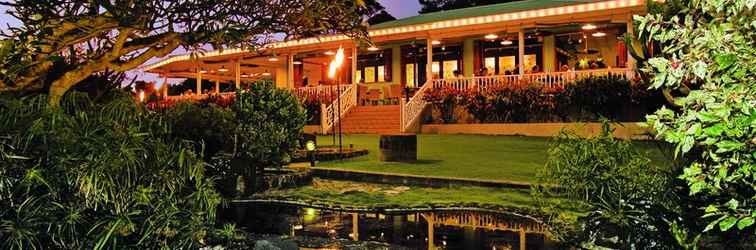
x,y
530,62
449,68
381,74
369,74
490,64
507,63
435,69
410,75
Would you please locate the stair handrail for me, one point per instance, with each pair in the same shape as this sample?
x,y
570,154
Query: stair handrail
x,y
413,109
328,117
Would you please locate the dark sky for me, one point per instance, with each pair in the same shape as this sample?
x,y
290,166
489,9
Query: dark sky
x,y
397,8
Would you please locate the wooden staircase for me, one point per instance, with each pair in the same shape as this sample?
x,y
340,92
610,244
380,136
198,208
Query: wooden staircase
x,y
384,119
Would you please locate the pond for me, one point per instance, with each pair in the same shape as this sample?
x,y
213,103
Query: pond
x,y
451,228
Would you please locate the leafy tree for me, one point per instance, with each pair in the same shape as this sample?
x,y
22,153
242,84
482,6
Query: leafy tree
x,y
271,121
62,42
429,6
98,176
706,66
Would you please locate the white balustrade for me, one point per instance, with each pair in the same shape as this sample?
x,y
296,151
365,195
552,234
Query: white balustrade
x,y
347,100
412,109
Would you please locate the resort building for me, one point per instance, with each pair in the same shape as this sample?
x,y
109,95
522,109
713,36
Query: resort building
x,y
379,87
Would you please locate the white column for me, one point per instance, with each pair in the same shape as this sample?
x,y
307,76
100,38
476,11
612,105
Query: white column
x,y
521,51
354,65
165,86
237,73
429,61
631,31
217,86
290,71
199,81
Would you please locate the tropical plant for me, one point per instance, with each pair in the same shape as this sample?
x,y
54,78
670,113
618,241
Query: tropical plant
x,y
600,96
479,104
444,100
89,175
270,121
77,38
706,69
627,198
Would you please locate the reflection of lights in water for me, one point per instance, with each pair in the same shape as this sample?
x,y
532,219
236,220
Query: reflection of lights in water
x,y
309,215
298,227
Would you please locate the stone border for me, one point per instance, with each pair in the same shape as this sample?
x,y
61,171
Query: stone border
x,y
410,180
626,130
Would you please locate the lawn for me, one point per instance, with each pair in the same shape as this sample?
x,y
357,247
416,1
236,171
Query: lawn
x,y
499,158
368,195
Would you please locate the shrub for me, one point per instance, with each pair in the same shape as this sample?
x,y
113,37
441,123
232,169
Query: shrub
x,y
444,101
600,96
92,175
270,123
479,104
706,68
625,195
207,124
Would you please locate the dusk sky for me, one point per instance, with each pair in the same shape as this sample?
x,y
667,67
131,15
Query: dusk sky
x,y
397,8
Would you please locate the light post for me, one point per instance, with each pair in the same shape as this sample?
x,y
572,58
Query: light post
x,y
335,65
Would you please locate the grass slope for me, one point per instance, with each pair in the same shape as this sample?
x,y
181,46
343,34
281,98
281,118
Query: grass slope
x,y
504,158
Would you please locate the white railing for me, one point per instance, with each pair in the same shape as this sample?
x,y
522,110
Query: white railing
x,y
347,100
549,80
319,91
178,98
413,109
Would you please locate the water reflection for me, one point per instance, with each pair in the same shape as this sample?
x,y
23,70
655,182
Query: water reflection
x,y
408,230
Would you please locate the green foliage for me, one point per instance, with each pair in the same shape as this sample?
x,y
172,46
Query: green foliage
x,y
270,123
706,66
624,194
444,100
206,124
98,176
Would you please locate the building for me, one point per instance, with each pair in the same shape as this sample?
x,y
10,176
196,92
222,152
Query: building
x,y
549,41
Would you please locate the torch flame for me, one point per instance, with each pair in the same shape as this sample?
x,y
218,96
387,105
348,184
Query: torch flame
x,y
141,96
336,63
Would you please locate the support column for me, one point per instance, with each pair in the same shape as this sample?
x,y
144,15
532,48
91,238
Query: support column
x,y
290,71
237,73
199,81
468,57
521,51
217,86
354,65
396,66
165,86
355,227
429,61
523,244
631,31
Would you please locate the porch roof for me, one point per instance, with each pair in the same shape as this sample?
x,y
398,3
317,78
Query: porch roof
x,y
483,10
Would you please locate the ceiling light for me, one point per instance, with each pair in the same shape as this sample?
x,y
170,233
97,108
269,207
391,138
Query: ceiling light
x,y
589,27
491,36
273,59
506,42
203,71
330,53
244,75
435,42
297,62
223,69
372,48
599,34
266,74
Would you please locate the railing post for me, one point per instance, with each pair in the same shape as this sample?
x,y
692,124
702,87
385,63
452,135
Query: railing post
x,y
323,118
402,105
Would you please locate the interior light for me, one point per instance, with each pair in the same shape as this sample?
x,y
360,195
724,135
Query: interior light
x,y
589,27
491,36
435,42
223,69
599,34
373,48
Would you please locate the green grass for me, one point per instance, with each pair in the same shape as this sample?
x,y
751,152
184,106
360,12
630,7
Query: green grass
x,y
346,193
499,158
